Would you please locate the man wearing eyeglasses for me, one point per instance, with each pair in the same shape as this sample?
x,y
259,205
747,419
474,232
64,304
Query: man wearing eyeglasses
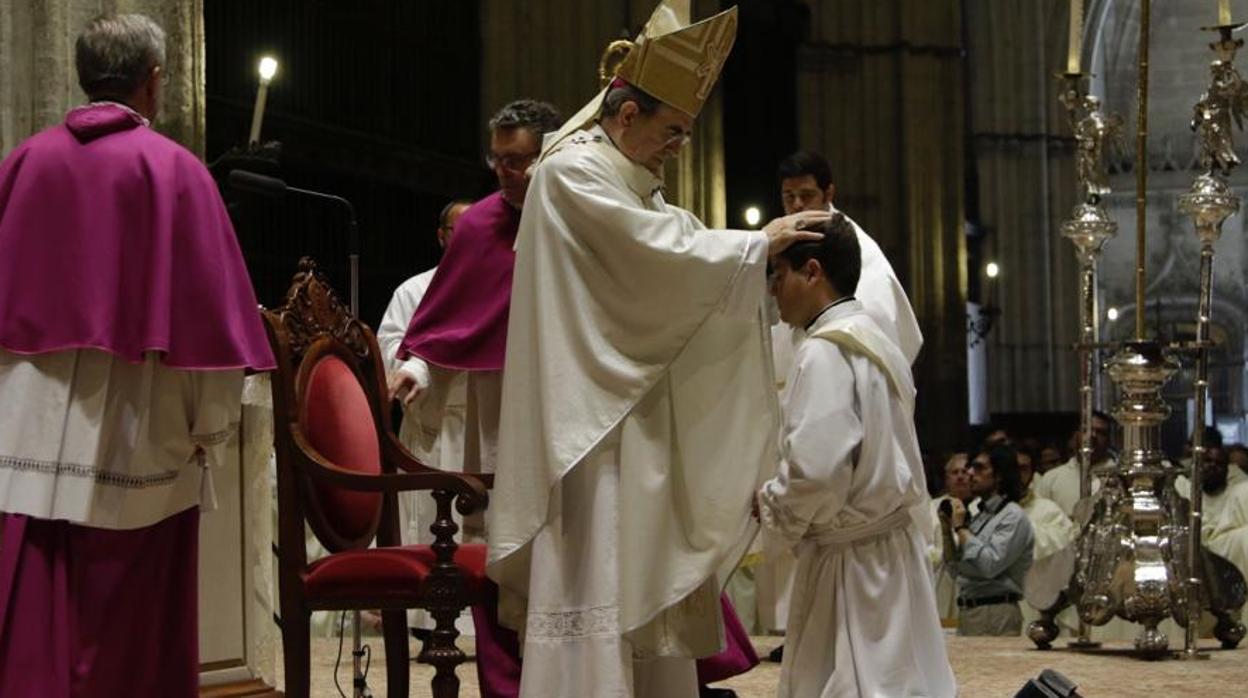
x,y
452,350
460,325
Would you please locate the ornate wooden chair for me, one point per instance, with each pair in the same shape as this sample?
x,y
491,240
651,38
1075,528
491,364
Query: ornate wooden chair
x,y
339,469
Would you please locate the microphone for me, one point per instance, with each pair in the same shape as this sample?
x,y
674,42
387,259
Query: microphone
x,y
257,183
273,187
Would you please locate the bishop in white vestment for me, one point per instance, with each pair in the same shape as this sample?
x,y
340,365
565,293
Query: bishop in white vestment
x,y
638,410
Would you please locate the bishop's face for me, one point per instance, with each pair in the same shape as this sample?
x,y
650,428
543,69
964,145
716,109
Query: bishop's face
x,y
651,139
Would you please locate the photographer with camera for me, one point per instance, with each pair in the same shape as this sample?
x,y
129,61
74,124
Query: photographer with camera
x,y
993,549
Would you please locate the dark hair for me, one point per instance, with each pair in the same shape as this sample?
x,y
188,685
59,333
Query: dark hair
x,y
617,96
1213,438
446,210
538,117
804,163
837,252
1004,460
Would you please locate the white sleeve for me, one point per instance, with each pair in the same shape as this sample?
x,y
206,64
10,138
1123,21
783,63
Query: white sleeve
x,y
393,327
744,296
822,430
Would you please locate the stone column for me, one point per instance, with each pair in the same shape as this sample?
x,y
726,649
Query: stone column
x,y
38,83
881,95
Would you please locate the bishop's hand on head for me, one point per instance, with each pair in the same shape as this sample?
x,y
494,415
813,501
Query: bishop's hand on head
x,y
786,230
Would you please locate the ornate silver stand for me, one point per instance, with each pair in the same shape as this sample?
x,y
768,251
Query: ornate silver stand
x,y
1089,228
1139,554
1209,203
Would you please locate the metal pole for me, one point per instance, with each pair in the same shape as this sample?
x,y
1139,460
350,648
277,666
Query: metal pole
x,y
1141,168
1195,523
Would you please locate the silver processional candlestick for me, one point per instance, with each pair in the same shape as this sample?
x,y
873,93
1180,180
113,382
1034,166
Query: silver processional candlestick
x,y
1209,203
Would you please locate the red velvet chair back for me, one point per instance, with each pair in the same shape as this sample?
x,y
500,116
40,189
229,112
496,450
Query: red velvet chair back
x,y
328,405
338,422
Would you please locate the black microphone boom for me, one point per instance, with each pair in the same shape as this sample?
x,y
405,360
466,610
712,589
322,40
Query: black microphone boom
x,y
273,187
257,183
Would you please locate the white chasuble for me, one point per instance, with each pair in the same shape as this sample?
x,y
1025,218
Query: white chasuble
x,y
638,416
851,499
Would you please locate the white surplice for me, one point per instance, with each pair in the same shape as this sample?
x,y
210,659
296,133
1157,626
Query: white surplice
x,y
638,418
851,498
89,438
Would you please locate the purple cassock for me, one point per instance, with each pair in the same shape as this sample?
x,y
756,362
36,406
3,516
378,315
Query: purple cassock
x,y
461,324
112,238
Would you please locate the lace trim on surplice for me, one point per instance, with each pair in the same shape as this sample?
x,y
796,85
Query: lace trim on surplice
x,y
566,625
104,477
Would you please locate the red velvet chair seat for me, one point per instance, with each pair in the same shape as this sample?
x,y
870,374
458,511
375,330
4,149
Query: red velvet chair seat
x,y
387,572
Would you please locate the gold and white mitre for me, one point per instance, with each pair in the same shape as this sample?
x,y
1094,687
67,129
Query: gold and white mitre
x,y
672,60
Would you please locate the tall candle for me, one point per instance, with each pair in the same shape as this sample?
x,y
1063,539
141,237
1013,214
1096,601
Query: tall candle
x,y
257,112
1076,36
1224,12
267,68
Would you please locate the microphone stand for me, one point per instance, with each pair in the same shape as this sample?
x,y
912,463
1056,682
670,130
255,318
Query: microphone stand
x,y
276,188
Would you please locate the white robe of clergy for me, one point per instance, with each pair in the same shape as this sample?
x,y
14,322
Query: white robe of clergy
x,y
638,417
883,297
1061,485
1053,555
1228,533
1211,505
851,499
885,300
440,446
944,582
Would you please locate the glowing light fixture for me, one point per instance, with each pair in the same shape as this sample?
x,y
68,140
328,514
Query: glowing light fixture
x,y
753,216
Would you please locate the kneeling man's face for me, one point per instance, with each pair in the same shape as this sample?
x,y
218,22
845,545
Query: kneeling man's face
x,y
794,290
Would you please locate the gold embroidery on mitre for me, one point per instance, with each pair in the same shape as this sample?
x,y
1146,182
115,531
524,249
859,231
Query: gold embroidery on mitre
x,y
680,67
673,61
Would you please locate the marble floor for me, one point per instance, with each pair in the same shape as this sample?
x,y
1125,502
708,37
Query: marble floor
x,y
985,667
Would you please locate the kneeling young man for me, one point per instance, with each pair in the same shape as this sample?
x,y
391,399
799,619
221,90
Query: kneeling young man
x,y
850,494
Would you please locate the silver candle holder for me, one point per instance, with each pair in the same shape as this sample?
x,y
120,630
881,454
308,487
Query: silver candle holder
x,y
1139,555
